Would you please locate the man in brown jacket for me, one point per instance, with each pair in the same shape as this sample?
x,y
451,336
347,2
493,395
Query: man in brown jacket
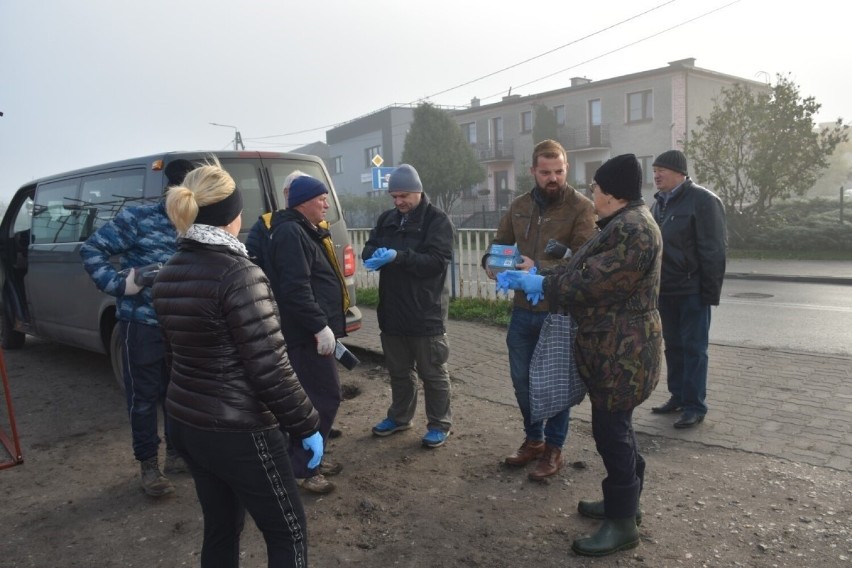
x,y
547,224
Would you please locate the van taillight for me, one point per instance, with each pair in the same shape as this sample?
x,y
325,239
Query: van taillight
x,y
348,261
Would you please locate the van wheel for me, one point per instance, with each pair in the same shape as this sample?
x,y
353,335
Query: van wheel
x,y
116,355
12,339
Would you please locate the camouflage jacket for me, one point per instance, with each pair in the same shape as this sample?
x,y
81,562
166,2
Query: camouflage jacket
x,y
611,287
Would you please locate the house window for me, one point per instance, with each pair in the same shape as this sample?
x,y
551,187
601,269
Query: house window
x,y
526,121
469,132
369,154
640,106
559,111
337,165
647,169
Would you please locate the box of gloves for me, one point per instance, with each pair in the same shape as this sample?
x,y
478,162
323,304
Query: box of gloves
x,y
503,257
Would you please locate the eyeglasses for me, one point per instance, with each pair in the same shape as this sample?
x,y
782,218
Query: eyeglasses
x,y
593,186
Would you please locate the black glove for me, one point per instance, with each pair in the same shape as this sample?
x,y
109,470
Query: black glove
x,y
144,275
557,249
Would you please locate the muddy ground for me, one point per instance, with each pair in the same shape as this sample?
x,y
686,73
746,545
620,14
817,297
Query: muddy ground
x,y
75,501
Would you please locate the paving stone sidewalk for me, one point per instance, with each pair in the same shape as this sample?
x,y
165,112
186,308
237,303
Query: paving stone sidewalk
x,y
796,406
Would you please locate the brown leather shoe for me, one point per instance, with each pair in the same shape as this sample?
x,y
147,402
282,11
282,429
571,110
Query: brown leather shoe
x,y
530,450
548,464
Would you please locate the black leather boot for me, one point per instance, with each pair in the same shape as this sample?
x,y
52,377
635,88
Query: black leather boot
x,y
595,510
614,535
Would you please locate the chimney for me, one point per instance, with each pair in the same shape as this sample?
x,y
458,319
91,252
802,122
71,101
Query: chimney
x,y
474,102
688,62
577,81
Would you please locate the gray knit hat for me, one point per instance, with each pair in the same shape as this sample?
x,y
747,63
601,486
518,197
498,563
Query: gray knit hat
x,y
673,160
405,178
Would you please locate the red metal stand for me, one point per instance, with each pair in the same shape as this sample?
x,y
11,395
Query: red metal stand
x,y
13,444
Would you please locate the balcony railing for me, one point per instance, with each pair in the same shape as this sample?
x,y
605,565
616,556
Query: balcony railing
x,y
585,138
498,150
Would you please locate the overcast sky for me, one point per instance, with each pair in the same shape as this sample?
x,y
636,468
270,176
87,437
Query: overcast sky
x,y
89,81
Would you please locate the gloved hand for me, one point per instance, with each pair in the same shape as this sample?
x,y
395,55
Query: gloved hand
x,y
325,341
529,282
144,275
314,443
381,257
556,249
131,288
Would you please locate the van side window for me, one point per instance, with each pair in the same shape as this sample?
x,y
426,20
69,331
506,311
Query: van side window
x,y
56,213
279,172
104,195
245,176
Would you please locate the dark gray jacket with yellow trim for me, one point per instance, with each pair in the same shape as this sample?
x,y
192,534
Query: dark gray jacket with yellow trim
x,y
304,273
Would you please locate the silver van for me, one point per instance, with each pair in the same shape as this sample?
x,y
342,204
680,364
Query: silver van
x,y
47,293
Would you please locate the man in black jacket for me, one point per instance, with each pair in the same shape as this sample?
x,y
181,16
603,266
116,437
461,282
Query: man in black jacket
x,y
692,222
300,263
412,246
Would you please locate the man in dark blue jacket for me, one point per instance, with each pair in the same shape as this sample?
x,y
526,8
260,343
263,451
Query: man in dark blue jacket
x,y
692,222
308,284
412,246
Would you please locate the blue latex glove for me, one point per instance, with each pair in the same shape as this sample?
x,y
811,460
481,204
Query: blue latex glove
x,y
381,257
313,443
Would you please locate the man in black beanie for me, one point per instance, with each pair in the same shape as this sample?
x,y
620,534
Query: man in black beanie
x,y
692,222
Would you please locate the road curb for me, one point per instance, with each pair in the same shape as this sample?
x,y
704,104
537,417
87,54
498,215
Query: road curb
x,y
834,280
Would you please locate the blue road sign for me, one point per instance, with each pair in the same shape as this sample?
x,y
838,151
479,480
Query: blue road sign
x,y
380,177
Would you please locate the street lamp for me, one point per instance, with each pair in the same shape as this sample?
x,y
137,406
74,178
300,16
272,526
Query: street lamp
x,y
238,140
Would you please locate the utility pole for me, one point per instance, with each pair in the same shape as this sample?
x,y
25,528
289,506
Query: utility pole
x,y
238,139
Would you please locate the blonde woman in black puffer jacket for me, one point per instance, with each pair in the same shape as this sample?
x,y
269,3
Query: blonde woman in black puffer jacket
x,y
232,388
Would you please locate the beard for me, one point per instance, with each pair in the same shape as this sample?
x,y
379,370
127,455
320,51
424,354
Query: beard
x,y
551,192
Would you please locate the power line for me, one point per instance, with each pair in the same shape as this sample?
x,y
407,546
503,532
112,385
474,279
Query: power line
x,y
555,49
617,49
607,28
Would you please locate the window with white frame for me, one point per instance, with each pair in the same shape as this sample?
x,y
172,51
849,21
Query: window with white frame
x,y
369,154
527,121
559,111
640,106
469,132
337,165
647,169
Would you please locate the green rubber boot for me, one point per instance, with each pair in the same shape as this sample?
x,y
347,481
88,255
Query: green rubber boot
x,y
595,510
614,535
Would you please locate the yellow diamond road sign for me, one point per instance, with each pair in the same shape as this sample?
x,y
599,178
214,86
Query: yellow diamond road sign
x,y
377,161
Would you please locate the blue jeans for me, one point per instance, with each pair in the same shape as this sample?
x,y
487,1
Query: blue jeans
x,y
524,329
146,378
686,332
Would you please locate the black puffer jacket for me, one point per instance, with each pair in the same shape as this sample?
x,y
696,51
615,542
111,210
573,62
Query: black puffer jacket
x,y
230,370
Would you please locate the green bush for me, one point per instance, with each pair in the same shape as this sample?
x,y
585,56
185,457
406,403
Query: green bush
x,y
797,225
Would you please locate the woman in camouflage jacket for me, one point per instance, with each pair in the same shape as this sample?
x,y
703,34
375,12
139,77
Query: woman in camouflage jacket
x,y
610,287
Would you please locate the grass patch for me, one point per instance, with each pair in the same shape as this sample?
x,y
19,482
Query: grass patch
x,y
492,312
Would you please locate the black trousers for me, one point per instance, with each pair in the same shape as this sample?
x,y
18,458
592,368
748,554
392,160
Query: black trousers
x,y
239,471
320,381
625,467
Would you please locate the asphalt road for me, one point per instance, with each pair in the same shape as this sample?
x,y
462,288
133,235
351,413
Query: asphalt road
x,y
814,318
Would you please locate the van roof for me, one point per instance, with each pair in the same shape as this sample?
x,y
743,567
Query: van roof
x,y
175,154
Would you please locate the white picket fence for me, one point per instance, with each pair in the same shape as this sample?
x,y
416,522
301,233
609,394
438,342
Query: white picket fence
x,y
468,280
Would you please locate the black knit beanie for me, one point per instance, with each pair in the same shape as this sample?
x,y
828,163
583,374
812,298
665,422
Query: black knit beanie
x,y
673,160
621,177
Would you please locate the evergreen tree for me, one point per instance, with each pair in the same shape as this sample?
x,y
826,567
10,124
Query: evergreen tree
x,y
436,147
